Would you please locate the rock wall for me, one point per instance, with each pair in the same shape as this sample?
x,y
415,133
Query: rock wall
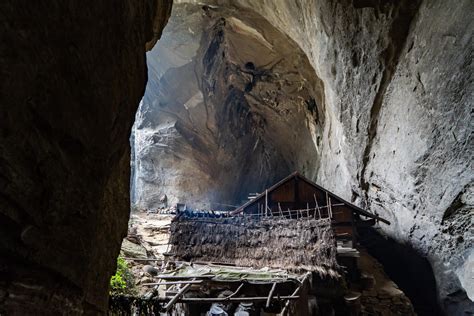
x,y
398,87
72,77
394,126
231,107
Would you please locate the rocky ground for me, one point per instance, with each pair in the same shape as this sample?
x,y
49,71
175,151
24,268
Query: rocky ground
x,y
147,237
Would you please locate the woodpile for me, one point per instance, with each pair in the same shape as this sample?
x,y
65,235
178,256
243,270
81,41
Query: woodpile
x,y
306,244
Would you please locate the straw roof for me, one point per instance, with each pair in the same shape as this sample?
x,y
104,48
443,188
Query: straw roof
x,y
298,245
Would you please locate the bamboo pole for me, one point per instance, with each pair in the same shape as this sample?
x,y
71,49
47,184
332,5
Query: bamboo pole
x,y
178,295
266,202
270,294
327,202
236,291
142,259
317,206
235,299
174,282
180,277
330,208
295,292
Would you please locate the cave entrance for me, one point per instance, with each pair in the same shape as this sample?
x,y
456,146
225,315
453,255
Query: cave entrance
x,y
231,106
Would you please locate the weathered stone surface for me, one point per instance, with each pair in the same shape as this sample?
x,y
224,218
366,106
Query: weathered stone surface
x,y
72,76
395,124
230,107
132,250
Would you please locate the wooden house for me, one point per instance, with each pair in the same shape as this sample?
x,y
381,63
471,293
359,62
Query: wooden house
x,y
297,197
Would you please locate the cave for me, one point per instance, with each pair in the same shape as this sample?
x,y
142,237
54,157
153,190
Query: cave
x,y
118,107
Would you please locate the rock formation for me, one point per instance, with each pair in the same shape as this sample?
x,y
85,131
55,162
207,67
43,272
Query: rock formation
x,y
231,106
371,99
72,77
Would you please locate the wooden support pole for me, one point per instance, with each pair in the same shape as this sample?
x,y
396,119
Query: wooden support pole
x,y
270,294
327,202
174,282
317,206
142,259
176,297
235,299
179,277
330,208
266,202
236,291
295,292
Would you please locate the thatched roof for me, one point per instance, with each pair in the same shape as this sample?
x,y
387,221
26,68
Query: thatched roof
x,y
298,245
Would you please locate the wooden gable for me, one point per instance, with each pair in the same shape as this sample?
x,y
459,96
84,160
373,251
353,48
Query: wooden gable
x,y
296,192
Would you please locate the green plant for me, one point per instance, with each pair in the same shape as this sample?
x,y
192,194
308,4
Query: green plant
x,y
123,281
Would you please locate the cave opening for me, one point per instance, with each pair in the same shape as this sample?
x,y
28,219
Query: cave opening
x,y
232,105
368,97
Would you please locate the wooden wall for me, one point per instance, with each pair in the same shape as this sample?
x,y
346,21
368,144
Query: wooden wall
x,y
298,194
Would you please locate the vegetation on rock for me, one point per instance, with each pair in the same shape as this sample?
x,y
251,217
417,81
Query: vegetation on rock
x,y
123,281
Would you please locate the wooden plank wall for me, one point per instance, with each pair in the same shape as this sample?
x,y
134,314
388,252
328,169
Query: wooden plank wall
x,y
298,194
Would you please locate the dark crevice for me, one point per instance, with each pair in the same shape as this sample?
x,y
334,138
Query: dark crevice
x,y
407,268
455,206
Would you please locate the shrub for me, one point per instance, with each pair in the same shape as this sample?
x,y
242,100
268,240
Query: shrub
x,y
123,281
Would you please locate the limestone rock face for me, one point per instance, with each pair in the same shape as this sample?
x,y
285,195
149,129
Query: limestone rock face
x,y
231,106
390,128
72,77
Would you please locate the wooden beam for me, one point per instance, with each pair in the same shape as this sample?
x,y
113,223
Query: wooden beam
x,y
306,277
142,259
180,277
317,206
236,291
270,294
174,282
235,299
178,295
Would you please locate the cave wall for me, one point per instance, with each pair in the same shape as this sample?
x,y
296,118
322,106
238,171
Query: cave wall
x,y
73,74
397,78
395,128
230,108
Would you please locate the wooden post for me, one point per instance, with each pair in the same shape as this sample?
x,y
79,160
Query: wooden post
x,y
317,206
327,203
266,203
330,208
269,299
177,296
173,282
283,312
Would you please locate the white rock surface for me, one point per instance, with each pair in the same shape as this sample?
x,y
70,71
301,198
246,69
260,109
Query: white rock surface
x,y
394,133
